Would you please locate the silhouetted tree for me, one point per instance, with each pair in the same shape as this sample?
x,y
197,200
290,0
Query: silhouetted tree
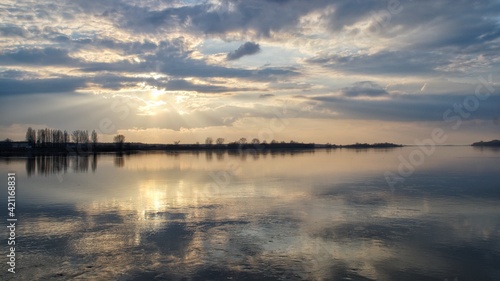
x,y
219,141
42,136
57,136
119,140
209,141
243,141
94,137
84,136
65,136
255,141
48,135
75,136
80,136
31,135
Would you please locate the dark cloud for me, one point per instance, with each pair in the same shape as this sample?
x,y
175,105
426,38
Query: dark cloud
x,y
384,62
348,12
444,24
260,16
176,63
36,86
249,48
455,23
37,56
264,96
17,74
423,39
365,89
183,85
12,31
408,107
117,82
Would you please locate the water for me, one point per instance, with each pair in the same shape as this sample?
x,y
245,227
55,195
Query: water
x,y
323,215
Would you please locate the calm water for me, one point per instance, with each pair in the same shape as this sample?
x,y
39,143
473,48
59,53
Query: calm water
x,y
214,216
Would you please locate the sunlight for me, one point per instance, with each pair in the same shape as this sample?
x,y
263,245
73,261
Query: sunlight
x,y
151,107
151,199
155,93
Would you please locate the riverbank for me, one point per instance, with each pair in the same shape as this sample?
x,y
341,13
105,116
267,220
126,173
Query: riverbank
x,y
25,149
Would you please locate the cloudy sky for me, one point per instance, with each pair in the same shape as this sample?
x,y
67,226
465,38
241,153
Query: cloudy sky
x,y
338,71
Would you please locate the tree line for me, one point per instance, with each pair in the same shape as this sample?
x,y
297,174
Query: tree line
x,y
243,141
55,136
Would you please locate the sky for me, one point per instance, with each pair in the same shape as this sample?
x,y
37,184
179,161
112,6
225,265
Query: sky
x,y
338,71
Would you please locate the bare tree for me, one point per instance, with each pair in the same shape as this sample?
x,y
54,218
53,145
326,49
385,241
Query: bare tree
x,y
61,136
75,136
41,136
48,135
119,139
84,136
209,141
255,141
65,136
31,135
219,141
57,136
94,137
243,141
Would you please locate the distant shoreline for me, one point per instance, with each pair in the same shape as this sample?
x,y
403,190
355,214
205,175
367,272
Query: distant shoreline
x,y
493,143
24,149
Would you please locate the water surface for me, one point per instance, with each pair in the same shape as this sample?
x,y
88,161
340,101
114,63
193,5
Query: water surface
x,y
322,215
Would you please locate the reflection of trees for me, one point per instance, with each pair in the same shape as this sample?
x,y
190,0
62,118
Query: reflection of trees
x,y
80,163
94,162
119,160
208,155
47,165
30,166
220,155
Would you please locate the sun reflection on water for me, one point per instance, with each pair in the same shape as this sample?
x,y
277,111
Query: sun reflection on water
x,y
163,214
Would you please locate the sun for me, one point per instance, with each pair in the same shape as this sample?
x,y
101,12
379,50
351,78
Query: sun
x,y
155,93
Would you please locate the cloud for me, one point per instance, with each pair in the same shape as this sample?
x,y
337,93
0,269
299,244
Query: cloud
x,y
364,89
249,48
264,96
396,63
261,17
406,108
12,31
184,66
9,86
183,85
37,56
119,46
